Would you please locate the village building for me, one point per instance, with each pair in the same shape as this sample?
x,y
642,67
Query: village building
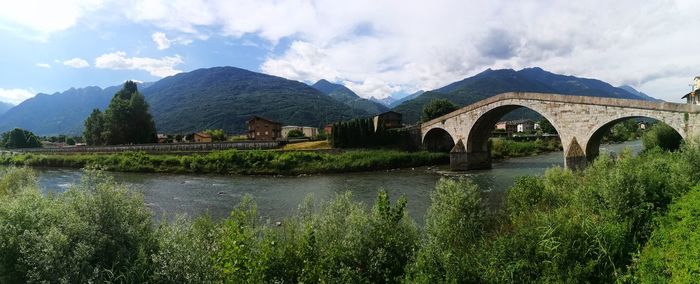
x,y
260,128
387,120
162,138
201,137
516,126
308,131
328,129
692,97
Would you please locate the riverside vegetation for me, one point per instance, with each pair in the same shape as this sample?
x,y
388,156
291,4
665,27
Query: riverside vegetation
x,y
609,222
252,162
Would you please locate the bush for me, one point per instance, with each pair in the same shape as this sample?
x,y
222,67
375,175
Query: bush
x,y
663,136
671,255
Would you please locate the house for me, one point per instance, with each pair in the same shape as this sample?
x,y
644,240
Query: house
x,y
162,138
387,120
692,97
513,126
260,128
308,131
328,129
201,137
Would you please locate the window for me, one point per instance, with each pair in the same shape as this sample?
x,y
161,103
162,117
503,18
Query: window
x,y
265,132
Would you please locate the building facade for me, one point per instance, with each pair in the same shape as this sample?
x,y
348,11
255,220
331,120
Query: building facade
x,y
260,128
387,120
308,131
201,137
692,97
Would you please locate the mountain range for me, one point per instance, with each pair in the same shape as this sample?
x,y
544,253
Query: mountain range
x,y
342,94
225,97
4,107
493,82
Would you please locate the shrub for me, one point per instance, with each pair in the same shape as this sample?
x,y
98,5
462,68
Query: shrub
x,y
663,136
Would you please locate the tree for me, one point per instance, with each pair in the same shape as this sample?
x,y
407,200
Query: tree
x,y
126,120
216,134
94,127
547,127
663,136
19,138
437,108
296,133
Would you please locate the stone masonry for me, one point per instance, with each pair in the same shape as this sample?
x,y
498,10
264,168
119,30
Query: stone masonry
x,y
580,120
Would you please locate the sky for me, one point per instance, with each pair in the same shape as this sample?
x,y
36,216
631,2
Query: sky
x,y
377,48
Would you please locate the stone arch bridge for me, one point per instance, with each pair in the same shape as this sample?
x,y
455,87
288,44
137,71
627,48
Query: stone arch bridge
x,y
580,121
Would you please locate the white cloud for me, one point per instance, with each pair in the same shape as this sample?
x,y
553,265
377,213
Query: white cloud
x,y
384,46
76,63
42,65
14,96
44,17
162,42
162,67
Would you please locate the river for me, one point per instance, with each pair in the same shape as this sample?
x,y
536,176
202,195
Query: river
x,y
277,197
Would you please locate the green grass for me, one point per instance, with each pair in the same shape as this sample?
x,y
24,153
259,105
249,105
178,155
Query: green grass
x,y
256,162
502,148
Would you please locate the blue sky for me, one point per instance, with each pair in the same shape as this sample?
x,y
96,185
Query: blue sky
x,y
377,48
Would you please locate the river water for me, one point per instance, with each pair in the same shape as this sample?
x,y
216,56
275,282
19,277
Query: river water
x,y
277,197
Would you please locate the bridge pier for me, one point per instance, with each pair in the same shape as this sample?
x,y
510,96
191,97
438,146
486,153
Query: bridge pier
x,y
574,157
461,160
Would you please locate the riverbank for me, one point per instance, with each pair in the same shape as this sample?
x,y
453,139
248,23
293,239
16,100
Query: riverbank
x,y
253,162
504,148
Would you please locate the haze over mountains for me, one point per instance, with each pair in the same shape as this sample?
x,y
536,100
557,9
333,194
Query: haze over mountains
x,y
225,97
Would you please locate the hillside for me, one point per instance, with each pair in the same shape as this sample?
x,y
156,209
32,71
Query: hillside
x,y
406,98
4,107
225,97
344,95
493,82
60,113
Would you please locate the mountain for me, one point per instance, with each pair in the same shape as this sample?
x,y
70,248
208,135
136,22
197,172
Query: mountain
x,y
225,97
406,98
639,94
344,95
384,101
492,82
60,113
4,107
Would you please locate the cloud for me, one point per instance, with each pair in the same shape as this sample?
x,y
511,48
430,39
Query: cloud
x,y
161,40
44,17
76,63
14,96
43,65
162,67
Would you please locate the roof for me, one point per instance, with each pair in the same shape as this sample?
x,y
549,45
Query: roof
x,y
518,121
203,134
262,118
162,136
688,94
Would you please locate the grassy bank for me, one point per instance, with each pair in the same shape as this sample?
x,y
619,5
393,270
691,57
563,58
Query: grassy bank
x,y
504,148
255,162
576,227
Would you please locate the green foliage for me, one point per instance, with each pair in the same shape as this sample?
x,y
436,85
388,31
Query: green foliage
x,y
501,148
437,108
19,138
125,121
216,134
235,161
547,126
453,230
296,133
95,232
671,255
663,136
626,130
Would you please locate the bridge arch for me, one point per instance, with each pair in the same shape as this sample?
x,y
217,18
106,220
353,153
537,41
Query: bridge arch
x,y
598,131
438,139
477,143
